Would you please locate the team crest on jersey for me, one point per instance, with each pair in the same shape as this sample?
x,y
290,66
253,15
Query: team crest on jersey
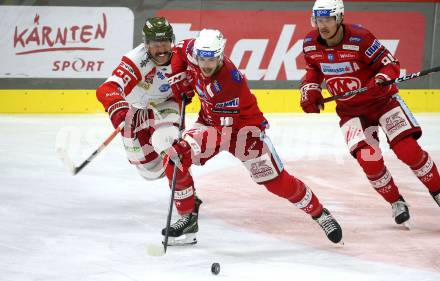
x,y
336,68
150,76
340,85
331,57
373,48
308,39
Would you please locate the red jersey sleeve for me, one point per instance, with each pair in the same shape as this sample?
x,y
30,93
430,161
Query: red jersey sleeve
x,y
124,78
379,58
313,74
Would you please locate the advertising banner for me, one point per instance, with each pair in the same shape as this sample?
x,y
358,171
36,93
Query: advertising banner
x,y
63,42
267,45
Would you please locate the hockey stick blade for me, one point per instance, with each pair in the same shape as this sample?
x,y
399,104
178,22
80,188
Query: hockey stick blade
x,y
386,83
155,250
64,157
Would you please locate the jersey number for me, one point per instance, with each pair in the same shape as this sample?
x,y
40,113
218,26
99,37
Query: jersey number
x,y
226,121
125,77
388,59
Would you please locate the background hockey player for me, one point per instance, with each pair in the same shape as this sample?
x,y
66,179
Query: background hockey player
x,y
229,120
348,57
139,94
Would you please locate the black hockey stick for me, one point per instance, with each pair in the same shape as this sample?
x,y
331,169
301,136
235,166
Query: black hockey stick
x,y
173,181
63,155
386,83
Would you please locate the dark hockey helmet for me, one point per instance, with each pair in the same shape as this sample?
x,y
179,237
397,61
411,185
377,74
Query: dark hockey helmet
x,y
157,29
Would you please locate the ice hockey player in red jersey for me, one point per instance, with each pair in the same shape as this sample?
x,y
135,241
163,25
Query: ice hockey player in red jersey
x,y
138,94
349,57
229,120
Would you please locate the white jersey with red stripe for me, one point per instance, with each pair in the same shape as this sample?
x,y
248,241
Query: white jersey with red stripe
x,y
139,80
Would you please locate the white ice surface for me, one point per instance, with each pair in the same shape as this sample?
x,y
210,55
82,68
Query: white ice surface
x,y
97,225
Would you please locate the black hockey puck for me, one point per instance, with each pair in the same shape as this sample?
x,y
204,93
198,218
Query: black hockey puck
x,y
215,268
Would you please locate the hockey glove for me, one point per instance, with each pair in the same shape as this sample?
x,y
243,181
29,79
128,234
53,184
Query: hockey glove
x,y
180,154
375,88
117,112
311,98
181,85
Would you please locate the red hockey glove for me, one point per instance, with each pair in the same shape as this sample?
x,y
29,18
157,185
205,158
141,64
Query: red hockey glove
x,y
375,88
117,112
181,85
180,154
311,98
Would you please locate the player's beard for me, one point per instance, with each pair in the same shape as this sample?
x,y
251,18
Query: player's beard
x,y
208,71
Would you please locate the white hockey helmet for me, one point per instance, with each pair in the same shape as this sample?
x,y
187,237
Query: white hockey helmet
x,y
328,8
209,44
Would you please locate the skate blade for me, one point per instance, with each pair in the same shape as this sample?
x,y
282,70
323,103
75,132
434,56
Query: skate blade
x,y
183,240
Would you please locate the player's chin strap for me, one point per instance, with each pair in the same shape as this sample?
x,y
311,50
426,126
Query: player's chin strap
x,y
386,83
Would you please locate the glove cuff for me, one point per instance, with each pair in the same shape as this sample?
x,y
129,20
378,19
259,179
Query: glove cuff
x,y
382,76
310,86
116,107
306,88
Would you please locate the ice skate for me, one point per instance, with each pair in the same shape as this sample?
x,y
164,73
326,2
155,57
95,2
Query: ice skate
x,y
436,197
330,226
183,231
401,212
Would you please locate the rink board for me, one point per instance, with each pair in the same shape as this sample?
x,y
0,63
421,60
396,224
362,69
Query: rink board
x,y
269,100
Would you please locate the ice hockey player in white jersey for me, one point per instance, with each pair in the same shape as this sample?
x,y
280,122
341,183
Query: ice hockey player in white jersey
x,y
138,94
